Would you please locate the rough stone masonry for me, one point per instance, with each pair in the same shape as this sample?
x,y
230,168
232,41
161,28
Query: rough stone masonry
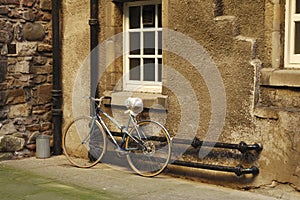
x,y
25,74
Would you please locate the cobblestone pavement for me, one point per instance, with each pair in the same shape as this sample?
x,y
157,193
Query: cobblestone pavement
x,y
54,178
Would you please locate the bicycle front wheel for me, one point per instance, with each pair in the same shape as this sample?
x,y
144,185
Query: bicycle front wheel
x,y
84,142
152,157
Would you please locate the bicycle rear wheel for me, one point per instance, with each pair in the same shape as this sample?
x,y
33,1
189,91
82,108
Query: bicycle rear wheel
x,y
154,157
84,142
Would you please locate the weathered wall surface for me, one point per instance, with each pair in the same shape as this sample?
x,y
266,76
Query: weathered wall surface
x,y
25,72
75,49
277,122
232,50
238,38
277,111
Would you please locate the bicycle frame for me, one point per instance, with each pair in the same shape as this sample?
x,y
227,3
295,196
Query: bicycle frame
x,y
146,144
124,130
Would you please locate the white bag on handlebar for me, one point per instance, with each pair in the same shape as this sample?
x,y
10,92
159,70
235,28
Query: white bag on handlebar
x,y
135,105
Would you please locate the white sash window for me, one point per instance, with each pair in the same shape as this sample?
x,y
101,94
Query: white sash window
x,y
143,46
292,34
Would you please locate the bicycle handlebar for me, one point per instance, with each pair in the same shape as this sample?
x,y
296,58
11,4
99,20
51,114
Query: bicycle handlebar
x,y
98,100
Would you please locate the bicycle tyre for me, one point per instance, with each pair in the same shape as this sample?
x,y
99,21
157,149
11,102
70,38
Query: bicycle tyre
x,y
153,160
84,148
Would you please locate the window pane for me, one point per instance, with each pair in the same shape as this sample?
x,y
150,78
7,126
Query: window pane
x,y
159,43
297,6
149,69
159,15
159,73
149,43
134,39
297,38
135,69
135,17
149,16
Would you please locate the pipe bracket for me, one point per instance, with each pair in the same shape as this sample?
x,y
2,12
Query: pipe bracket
x,y
93,22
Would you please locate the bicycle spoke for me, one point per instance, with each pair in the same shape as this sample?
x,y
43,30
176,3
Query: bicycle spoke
x,y
84,142
154,157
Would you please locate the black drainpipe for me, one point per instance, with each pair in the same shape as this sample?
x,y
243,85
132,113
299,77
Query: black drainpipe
x,y
94,32
57,87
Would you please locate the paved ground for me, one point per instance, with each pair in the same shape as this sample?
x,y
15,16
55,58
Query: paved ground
x,y
54,178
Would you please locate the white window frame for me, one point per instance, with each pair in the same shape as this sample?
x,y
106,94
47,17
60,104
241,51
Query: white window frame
x,y
292,60
140,85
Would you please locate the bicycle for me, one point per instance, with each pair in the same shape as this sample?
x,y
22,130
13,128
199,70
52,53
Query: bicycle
x,y
146,144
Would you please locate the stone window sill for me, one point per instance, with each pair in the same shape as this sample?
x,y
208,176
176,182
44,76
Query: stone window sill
x,y
280,77
150,101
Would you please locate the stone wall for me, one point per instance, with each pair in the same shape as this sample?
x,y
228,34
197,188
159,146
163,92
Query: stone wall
x,y
238,36
277,110
75,49
229,41
278,118
26,73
